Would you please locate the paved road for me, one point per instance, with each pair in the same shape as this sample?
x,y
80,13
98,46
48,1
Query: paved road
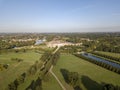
x,y
57,78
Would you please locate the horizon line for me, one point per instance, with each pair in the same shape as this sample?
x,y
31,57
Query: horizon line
x,y
67,32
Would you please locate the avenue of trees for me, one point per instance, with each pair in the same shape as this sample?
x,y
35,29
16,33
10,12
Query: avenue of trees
x,y
102,64
42,67
107,56
49,59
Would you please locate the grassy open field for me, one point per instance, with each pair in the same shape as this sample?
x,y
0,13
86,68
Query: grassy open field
x,y
50,83
16,68
27,82
88,72
110,54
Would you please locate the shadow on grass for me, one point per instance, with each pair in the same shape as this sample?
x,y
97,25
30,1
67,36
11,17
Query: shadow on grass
x,y
90,84
77,88
65,74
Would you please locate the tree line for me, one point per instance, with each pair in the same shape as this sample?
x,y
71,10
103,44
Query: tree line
x,y
107,56
102,64
47,59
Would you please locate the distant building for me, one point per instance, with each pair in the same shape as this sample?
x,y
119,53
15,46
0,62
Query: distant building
x,y
61,43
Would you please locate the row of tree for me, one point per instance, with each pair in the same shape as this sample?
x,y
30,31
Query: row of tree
x,y
49,59
107,56
102,64
33,69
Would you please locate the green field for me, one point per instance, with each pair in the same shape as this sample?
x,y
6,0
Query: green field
x,y
88,72
110,54
50,83
16,68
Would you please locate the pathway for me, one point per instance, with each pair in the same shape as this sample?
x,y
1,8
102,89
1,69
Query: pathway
x,y
57,78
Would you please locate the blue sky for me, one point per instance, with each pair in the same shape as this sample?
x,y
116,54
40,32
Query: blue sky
x,y
59,15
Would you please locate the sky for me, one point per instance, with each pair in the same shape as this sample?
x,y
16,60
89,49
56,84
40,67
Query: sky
x,y
59,15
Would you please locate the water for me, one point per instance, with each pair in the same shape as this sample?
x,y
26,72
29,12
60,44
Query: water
x,y
101,60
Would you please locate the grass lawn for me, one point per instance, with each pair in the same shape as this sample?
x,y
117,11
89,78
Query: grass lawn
x,y
50,83
15,68
28,81
86,70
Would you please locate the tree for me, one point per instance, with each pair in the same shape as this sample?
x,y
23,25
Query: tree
x,y
73,78
11,86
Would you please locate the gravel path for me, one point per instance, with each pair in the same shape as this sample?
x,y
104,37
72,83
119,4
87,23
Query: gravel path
x,y
57,78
